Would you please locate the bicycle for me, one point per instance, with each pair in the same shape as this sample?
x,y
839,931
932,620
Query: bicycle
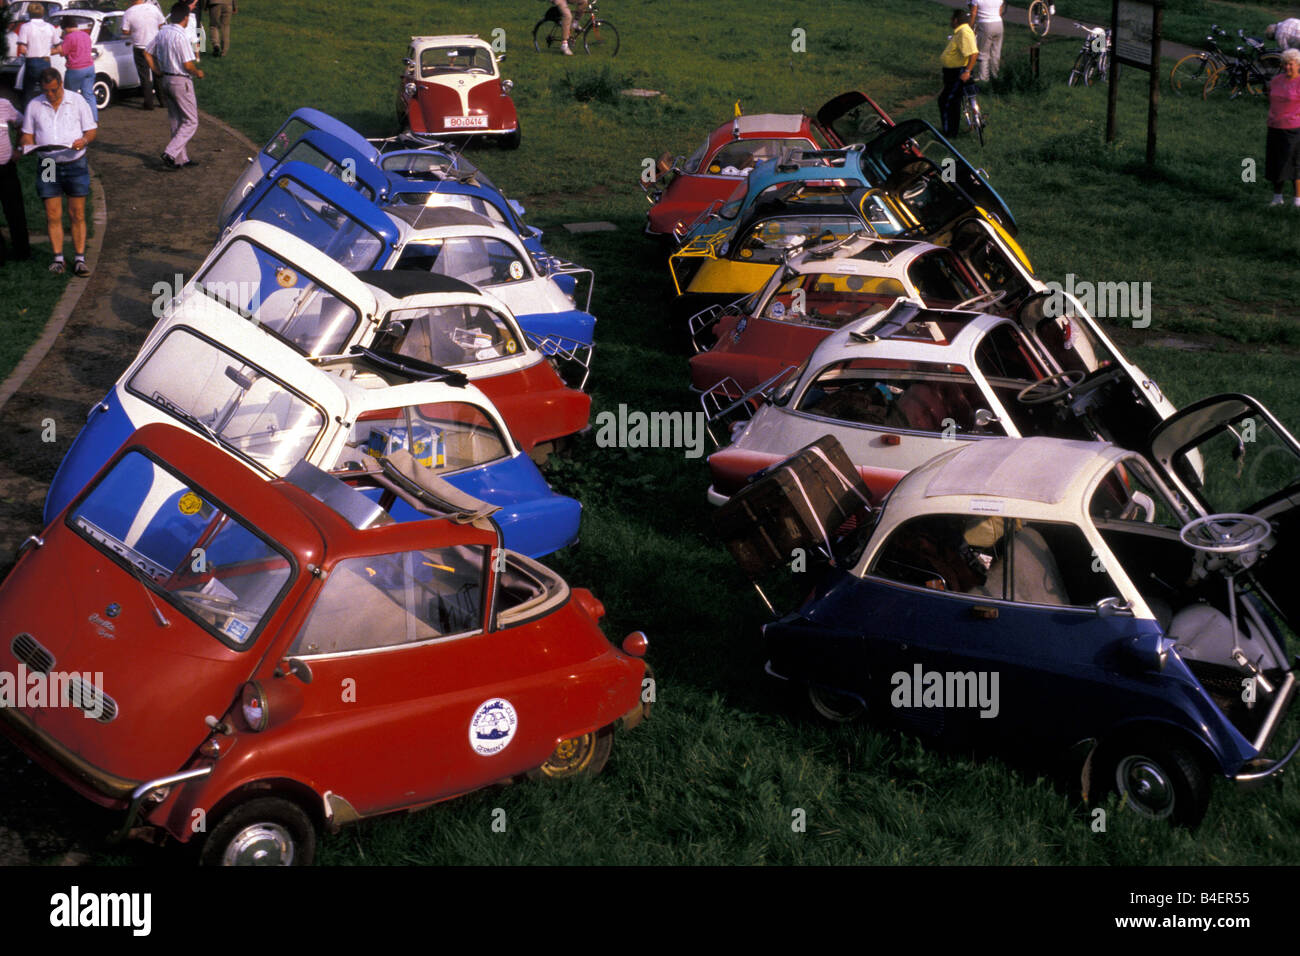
x,y
1249,70
598,36
1040,17
1094,56
1190,73
976,121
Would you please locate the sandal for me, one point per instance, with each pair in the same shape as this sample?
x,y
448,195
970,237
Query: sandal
x,y
57,267
80,268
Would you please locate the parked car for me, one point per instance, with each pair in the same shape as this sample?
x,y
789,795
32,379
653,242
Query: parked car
x,y
299,296
229,616
255,397
901,386
452,87
682,189
1047,595
821,290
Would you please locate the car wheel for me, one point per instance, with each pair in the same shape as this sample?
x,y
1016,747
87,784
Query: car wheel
x,y
511,140
269,831
834,706
103,90
576,756
1159,780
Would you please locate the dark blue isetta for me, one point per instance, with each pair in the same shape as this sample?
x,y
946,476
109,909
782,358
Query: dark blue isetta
x,y
1044,595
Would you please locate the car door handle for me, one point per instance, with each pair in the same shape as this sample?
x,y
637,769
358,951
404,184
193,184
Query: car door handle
x,y
984,612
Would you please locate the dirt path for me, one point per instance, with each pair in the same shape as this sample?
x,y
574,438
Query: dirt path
x,y
160,223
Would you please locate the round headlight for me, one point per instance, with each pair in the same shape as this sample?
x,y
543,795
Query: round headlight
x,y
409,89
507,86
254,707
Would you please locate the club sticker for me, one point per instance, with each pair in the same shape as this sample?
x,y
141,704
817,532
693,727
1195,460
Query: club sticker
x,y
190,503
516,270
778,309
285,277
493,727
511,346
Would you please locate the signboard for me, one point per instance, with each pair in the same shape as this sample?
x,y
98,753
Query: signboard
x,y
1135,29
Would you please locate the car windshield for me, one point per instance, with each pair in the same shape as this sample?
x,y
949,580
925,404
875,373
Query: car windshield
x,y
202,559
931,200
1240,465
830,192
441,436
288,134
439,198
738,157
437,60
478,260
236,404
301,212
303,152
283,299
939,279
830,300
448,335
920,396
772,240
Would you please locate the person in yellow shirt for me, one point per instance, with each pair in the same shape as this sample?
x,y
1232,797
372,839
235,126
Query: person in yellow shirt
x,y
957,60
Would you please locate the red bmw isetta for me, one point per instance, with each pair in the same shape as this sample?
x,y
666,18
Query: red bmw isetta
x,y
271,660
452,87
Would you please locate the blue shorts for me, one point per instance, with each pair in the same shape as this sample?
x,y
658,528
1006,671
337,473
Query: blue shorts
x,y
70,179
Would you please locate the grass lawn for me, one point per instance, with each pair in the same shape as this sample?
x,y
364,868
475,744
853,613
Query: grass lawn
x,y
716,775
1186,21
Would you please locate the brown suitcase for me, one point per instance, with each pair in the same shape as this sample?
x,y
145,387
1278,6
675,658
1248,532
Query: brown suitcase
x,y
798,503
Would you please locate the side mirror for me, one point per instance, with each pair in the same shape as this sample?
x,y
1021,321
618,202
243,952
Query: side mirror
x,y
296,667
984,418
1146,652
1111,606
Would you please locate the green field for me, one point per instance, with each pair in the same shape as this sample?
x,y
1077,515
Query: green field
x,y
716,775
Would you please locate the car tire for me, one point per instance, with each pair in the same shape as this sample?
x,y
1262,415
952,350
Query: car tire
x,y
832,706
268,831
511,140
1156,778
103,90
578,756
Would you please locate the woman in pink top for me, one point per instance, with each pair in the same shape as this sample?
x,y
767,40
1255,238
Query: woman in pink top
x,y
1282,151
80,73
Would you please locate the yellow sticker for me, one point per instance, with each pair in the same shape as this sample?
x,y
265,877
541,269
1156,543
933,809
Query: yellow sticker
x,y
285,277
190,503
510,345
746,253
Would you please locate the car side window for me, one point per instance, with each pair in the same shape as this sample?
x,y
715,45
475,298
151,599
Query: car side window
x,y
478,260
954,553
389,600
449,335
441,436
110,28
1052,563
827,300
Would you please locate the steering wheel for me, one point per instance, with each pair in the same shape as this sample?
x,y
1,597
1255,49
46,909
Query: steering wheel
x,y
1042,391
1226,533
217,603
984,298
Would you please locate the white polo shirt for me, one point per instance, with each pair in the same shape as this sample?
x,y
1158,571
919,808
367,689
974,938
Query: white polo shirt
x,y
143,20
39,36
64,125
986,11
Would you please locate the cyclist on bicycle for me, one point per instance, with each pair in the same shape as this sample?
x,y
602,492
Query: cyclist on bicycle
x,y
566,20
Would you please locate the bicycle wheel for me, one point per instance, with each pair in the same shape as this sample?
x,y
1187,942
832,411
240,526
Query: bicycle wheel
x,y
1040,18
601,38
1189,73
978,115
1212,80
1081,64
547,35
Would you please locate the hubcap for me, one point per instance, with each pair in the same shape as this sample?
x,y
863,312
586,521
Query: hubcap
x,y
571,756
832,705
260,844
1144,783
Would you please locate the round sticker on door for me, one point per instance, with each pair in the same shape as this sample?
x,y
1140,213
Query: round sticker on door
x,y
190,503
285,277
516,270
492,727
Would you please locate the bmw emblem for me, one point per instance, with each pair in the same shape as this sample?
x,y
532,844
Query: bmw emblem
x,y
113,610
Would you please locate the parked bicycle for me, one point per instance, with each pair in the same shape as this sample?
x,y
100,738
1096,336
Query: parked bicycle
x,y
1190,73
1094,56
970,108
1247,71
1040,17
599,37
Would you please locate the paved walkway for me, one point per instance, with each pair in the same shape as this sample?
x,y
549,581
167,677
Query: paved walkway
x,y
160,223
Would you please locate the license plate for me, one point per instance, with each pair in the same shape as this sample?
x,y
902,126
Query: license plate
x,y
466,122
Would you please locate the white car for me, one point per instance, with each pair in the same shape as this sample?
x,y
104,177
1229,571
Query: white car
x,y
900,387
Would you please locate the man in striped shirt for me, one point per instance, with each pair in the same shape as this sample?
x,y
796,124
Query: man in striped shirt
x,y
172,56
